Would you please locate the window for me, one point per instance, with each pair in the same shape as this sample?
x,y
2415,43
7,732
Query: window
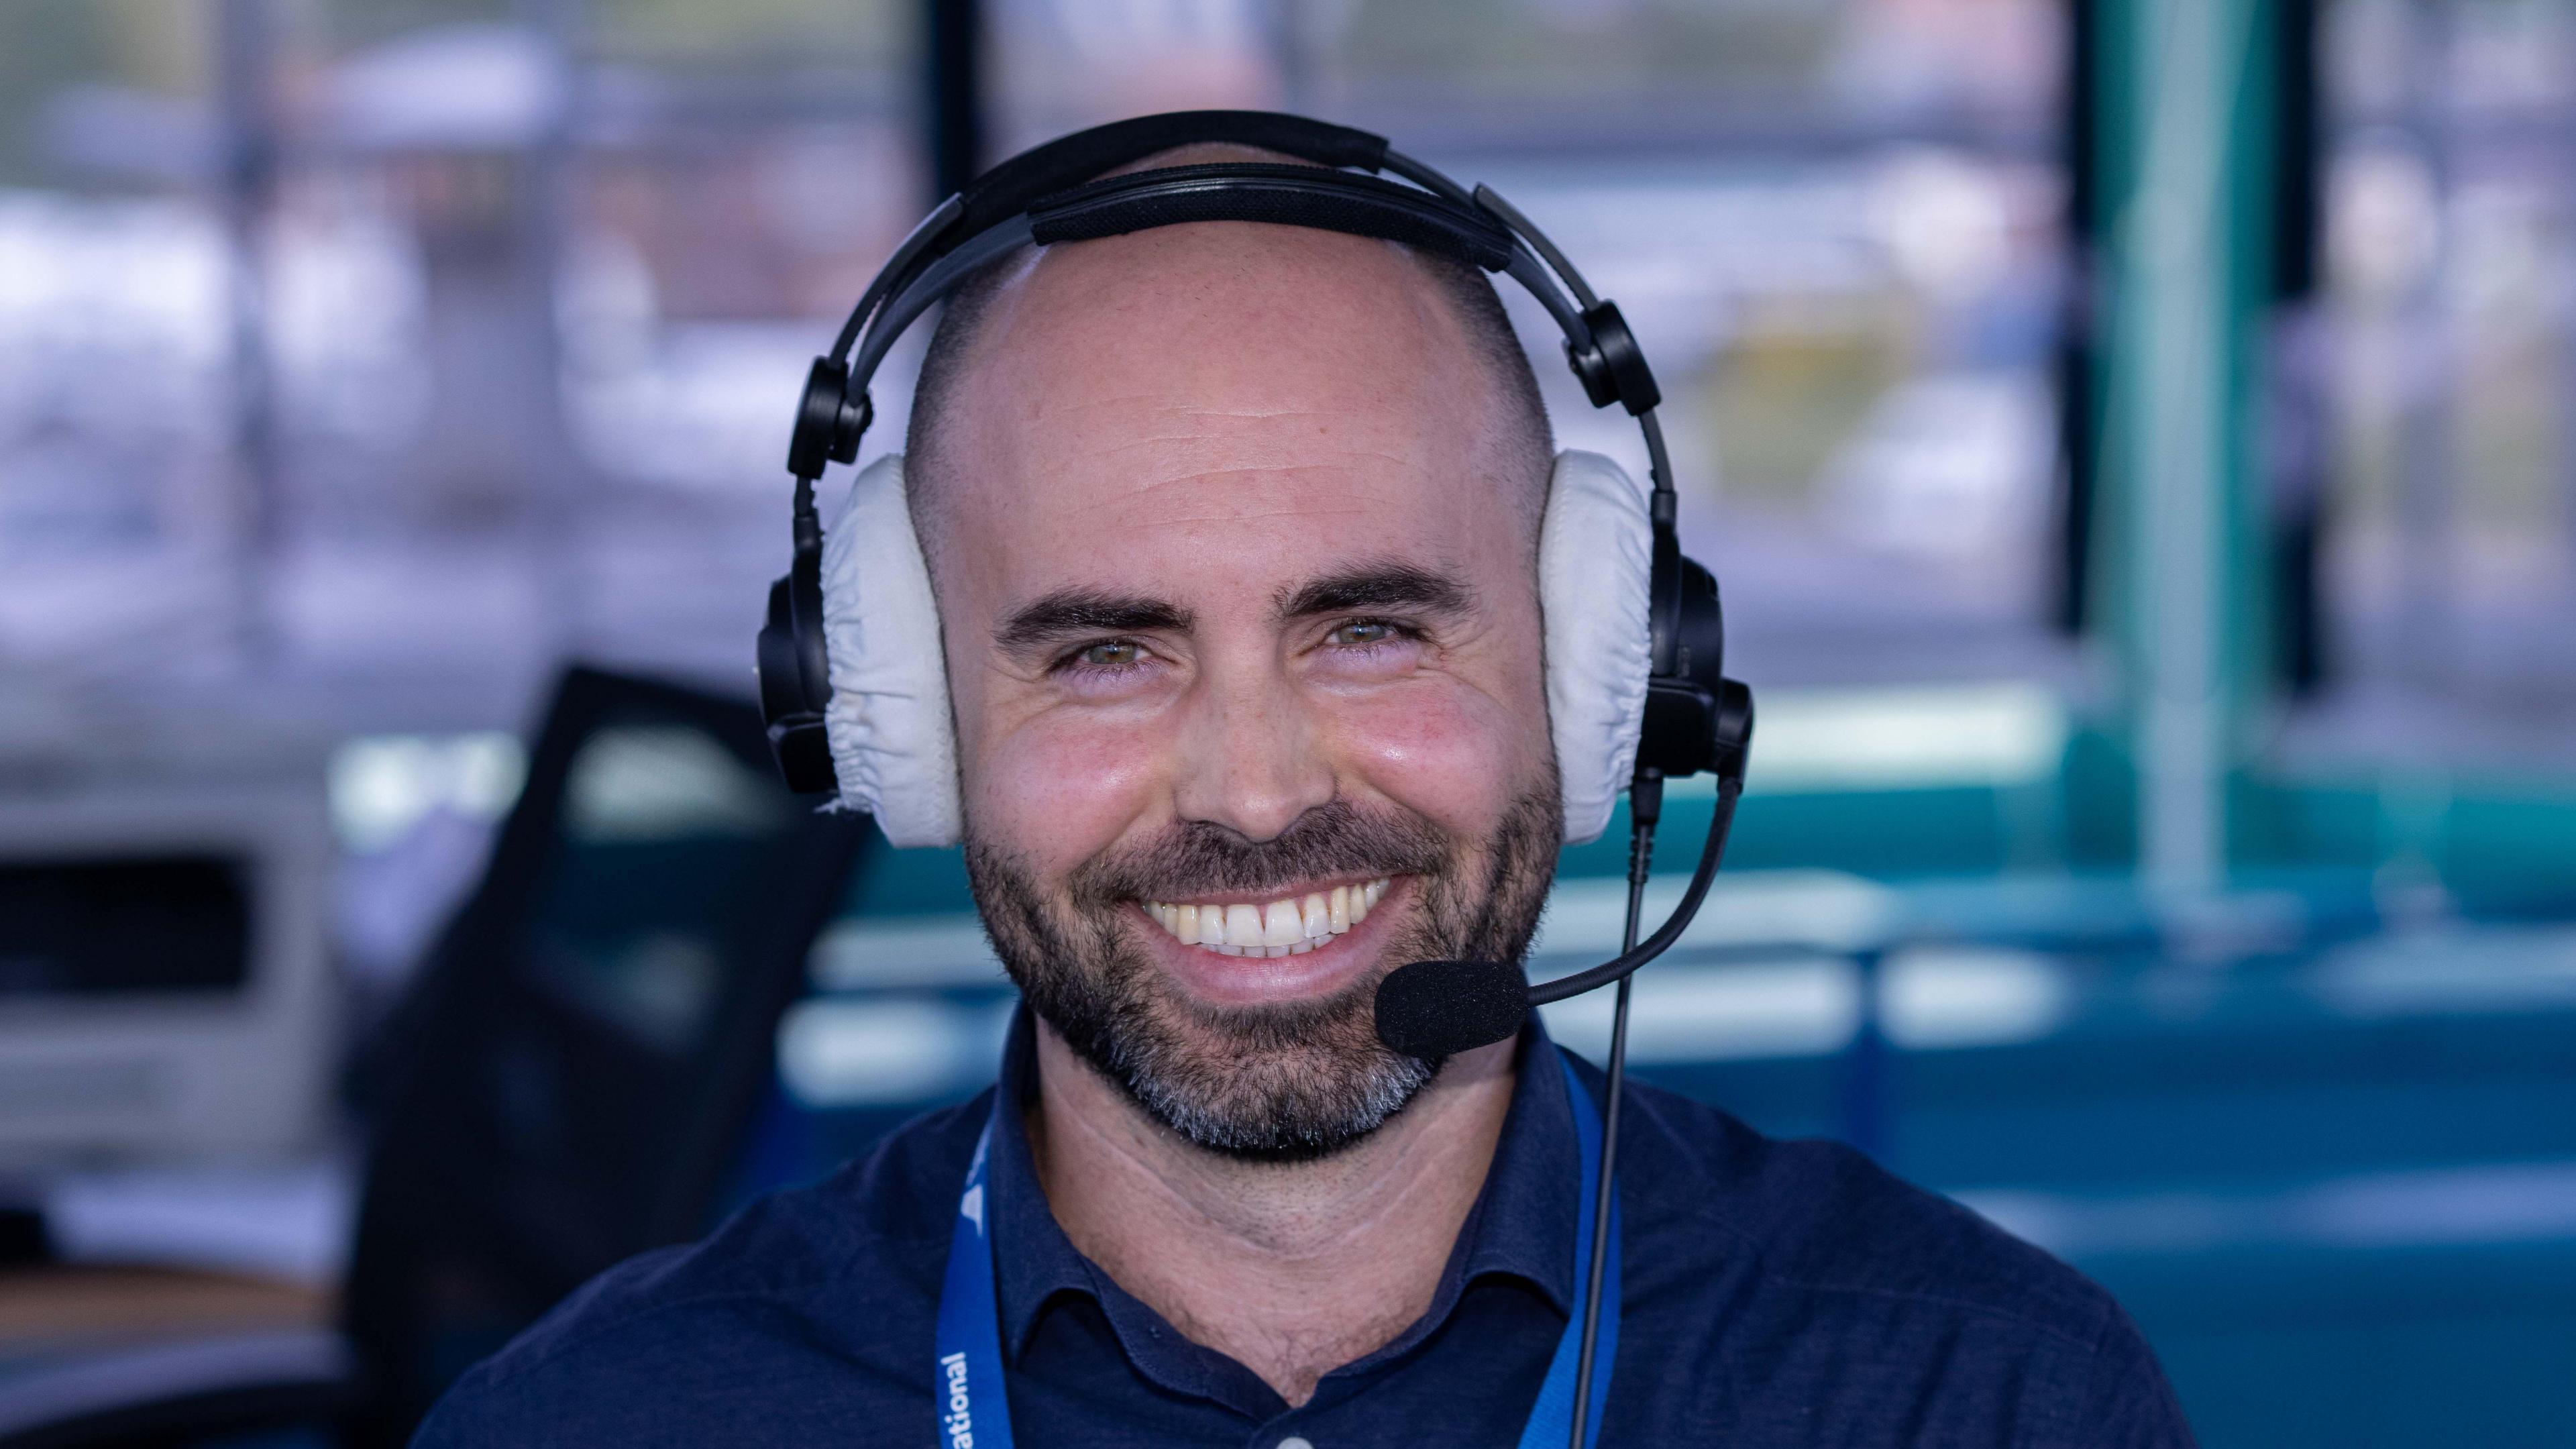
x,y
1835,227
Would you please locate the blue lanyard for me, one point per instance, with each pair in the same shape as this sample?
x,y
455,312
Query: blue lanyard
x,y
974,1412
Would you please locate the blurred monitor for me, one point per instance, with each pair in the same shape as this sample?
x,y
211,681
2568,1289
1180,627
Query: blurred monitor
x,y
164,986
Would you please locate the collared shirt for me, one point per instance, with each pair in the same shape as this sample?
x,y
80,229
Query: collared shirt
x,y
1774,1293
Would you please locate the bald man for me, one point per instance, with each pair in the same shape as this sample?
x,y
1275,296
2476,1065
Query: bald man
x,y
1233,533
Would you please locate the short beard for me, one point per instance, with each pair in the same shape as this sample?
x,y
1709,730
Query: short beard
x,y
1285,1083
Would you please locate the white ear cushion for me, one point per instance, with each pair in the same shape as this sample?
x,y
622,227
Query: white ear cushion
x,y
888,720
1596,561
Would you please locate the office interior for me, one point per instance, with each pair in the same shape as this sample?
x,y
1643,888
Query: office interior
x,y
2132,435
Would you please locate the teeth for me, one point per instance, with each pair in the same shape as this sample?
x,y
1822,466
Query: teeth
x,y
1291,926
1279,924
1243,925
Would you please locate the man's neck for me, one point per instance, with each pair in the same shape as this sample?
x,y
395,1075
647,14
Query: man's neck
x,y
1292,1269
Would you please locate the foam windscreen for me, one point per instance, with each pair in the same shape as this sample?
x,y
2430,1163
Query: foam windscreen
x,y
1435,1009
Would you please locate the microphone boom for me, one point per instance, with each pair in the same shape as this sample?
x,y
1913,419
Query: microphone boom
x,y
1435,1009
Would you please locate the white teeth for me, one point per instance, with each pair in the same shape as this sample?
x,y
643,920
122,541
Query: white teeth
x,y
1279,924
1243,925
1288,927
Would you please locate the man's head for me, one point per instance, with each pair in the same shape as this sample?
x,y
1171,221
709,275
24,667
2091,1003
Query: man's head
x,y
1233,531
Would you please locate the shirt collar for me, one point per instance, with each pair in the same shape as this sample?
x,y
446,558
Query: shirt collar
x,y
1522,1226
1033,1259
1524,1219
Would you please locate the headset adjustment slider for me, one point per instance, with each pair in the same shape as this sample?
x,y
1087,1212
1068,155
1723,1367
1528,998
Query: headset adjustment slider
x,y
829,423
1611,367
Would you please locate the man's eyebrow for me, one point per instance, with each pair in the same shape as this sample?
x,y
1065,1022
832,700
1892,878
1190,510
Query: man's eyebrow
x,y
1070,612
1378,586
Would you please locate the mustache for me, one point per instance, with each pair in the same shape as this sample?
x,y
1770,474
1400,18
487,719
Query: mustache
x,y
1198,857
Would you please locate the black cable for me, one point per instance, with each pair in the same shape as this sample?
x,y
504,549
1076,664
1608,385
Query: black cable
x,y
1645,807
1720,822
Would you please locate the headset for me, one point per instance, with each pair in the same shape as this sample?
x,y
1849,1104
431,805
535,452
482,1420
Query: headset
x,y
854,688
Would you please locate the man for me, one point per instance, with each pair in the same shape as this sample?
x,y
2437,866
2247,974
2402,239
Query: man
x,y
1232,529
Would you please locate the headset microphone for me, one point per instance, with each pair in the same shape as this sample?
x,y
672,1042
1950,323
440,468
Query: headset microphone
x,y
1435,1009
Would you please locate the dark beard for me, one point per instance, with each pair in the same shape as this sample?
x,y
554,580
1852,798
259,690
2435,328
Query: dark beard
x,y
1284,1083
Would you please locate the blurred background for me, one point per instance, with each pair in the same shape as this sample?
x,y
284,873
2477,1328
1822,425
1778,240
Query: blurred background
x,y
2133,434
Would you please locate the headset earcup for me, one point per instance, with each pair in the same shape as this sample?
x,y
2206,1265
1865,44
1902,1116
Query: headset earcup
x,y
888,724
1595,570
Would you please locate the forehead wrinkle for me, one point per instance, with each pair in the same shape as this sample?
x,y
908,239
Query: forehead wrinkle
x,y
1197,439
1269,513
1319,458
1154,489
1192,424
1247,412
1248,470
1180,519
1212,511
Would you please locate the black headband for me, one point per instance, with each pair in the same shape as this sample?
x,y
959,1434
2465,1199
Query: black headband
x,y
1283,195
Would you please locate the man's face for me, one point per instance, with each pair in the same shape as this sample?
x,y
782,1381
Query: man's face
x,y
1241,622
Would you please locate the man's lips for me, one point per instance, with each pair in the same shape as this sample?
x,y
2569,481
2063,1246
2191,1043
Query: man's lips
x,y
1289,925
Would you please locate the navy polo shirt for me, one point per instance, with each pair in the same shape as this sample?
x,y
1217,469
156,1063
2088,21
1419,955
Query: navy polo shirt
x,y
1775,1293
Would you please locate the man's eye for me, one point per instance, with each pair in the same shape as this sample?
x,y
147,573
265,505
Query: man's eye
x,y
1364,634
1115,654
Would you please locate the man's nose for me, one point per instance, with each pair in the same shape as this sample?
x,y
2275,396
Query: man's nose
x,y
1251,757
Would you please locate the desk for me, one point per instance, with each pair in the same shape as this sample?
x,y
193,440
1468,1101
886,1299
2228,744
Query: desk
x,y
98,1340
52,1309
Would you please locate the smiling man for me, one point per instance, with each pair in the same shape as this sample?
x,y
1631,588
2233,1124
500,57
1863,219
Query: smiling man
x,y
1233,531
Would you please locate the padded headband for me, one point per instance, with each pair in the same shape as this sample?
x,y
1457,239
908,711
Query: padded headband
x,y
1303,196
1014,186
1060,165
1283,195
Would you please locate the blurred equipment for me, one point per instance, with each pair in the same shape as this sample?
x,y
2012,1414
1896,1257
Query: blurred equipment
x,y
577,1068
568,1084
164,987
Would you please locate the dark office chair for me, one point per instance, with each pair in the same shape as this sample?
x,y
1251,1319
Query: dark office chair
x,y
572,1076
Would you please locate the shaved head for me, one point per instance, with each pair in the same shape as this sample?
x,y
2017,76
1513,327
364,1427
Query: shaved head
x,y
1256,302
